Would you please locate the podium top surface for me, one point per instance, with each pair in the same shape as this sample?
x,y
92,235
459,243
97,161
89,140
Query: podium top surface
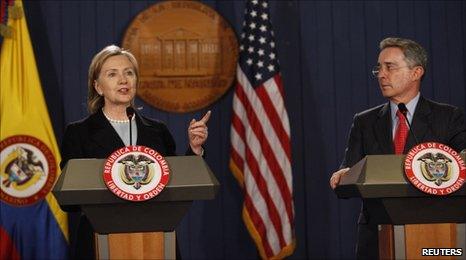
x,y
81,182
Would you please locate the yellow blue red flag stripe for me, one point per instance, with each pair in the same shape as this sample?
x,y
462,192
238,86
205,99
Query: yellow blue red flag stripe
x,y
32,226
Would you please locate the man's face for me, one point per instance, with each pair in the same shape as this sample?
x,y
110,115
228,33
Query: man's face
x,y
397,81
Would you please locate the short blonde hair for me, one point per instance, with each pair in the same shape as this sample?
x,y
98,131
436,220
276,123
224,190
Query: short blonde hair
x,y
94,100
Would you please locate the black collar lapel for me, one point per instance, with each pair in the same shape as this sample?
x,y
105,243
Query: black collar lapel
x,y
420,123
147,134
383,130
103,133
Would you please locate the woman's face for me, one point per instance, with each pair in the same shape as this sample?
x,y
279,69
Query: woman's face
x,y
117,81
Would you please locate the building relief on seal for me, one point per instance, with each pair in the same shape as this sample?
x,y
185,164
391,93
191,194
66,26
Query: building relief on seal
x,y
187,55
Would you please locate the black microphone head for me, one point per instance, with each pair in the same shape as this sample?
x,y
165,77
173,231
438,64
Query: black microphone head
x,y
402,107
130,112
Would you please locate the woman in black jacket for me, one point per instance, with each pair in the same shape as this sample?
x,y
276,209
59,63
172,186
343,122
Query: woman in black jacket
x,y
112,83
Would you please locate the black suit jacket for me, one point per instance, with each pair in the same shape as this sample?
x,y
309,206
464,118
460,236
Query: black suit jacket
x,y
95,137
371,132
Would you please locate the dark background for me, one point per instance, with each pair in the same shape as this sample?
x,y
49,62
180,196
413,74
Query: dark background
x,y
326,50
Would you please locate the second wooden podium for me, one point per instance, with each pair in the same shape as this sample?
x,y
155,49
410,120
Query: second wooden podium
x,y
390,199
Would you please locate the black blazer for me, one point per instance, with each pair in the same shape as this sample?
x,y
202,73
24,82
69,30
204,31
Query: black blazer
x,y
95,137
371,132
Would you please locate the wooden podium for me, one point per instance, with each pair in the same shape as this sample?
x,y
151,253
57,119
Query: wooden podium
x,y
390,199
132,226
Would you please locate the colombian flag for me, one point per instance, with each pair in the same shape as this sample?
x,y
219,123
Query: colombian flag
x,y
32,226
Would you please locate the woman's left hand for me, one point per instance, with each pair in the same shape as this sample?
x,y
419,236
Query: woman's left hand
x,y
197,133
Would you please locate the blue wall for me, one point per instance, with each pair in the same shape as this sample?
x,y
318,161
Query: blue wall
x,y
326,50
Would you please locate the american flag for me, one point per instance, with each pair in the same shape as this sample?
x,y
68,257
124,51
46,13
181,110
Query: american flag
x,y
260,138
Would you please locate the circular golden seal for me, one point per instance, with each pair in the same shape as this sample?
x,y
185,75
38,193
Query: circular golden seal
x,y
187,55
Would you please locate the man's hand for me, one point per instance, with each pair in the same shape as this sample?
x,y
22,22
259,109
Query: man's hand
x,y
198,132
336,176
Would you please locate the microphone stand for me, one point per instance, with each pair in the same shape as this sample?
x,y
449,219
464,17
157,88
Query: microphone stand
x,y
130,114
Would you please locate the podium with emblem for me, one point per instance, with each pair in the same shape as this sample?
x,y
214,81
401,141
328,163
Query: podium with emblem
x,y
136,230
421,220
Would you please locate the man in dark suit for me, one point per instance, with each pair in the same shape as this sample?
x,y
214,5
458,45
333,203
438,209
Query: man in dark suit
x,y
383,130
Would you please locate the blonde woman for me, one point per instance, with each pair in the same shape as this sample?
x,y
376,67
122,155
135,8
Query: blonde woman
x,y
112,83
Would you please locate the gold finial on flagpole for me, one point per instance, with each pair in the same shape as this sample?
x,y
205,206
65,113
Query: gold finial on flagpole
x,y
15,11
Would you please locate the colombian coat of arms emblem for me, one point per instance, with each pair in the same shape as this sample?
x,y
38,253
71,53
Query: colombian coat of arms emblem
x,y
136,173
27,170
435,168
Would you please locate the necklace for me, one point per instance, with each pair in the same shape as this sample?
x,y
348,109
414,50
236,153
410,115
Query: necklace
x,y
115,120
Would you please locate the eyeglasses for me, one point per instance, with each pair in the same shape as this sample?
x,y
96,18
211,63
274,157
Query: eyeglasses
x,y
389,69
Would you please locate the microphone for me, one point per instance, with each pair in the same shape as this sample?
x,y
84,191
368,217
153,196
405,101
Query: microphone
x,y
404,110
130,114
